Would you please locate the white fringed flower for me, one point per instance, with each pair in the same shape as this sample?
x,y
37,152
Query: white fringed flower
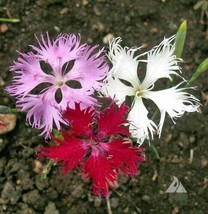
x,y
123,81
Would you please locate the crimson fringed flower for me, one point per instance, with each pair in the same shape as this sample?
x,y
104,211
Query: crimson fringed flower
x,y
97,145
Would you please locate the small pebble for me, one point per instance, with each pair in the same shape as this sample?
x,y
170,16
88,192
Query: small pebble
x,y
108,38
3,28
64,11
146,198
154,30
77,192
38,166
204,162
51,209
97,202
84,2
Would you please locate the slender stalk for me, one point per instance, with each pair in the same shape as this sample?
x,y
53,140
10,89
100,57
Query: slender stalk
x,y
155,151
9,20
109,206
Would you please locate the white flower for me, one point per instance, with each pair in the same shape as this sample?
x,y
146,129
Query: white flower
x,y
123,81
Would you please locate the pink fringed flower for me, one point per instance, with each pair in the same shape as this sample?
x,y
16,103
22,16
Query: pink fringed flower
x,y
64,72
96,146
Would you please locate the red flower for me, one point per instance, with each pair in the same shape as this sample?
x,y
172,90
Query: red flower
x,y
96,145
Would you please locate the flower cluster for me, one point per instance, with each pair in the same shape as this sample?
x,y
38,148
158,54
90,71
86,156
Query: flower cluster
x,y
57,83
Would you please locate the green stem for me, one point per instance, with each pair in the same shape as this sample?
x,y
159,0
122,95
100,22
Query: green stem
x,y
155,151
46,170
9,20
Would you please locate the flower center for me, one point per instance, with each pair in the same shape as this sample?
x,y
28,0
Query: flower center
x,y
59,83
139,92
93,142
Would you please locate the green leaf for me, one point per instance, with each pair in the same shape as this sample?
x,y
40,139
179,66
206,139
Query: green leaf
x,y
9,20
205,6
8,110
198,5
202,68
180,39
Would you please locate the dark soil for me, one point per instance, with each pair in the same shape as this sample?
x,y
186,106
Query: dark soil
x,y
138,22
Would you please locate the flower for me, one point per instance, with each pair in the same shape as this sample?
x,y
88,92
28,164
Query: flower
x,y
123,81
64,72
95,144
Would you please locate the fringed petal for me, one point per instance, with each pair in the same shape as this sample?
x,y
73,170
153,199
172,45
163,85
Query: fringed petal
x,y
117,90
124,62
69,153
173,101
161,63
28,75
141,127
42,112
112,121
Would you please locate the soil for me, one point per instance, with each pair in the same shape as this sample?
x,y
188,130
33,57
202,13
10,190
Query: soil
x,y
183,147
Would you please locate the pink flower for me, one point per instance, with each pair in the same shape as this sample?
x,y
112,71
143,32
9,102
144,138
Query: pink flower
x,y
56,75
96,145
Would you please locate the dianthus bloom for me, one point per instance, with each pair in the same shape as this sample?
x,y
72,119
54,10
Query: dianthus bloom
x,y
65,70
96,146
123,81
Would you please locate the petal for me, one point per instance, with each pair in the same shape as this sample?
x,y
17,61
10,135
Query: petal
x,y
70,96
103,176
70,152
140,125
89,68
161,63
125,157
80,120
175,101
124,62
115,89
28,75
111,121
65,48
43,111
